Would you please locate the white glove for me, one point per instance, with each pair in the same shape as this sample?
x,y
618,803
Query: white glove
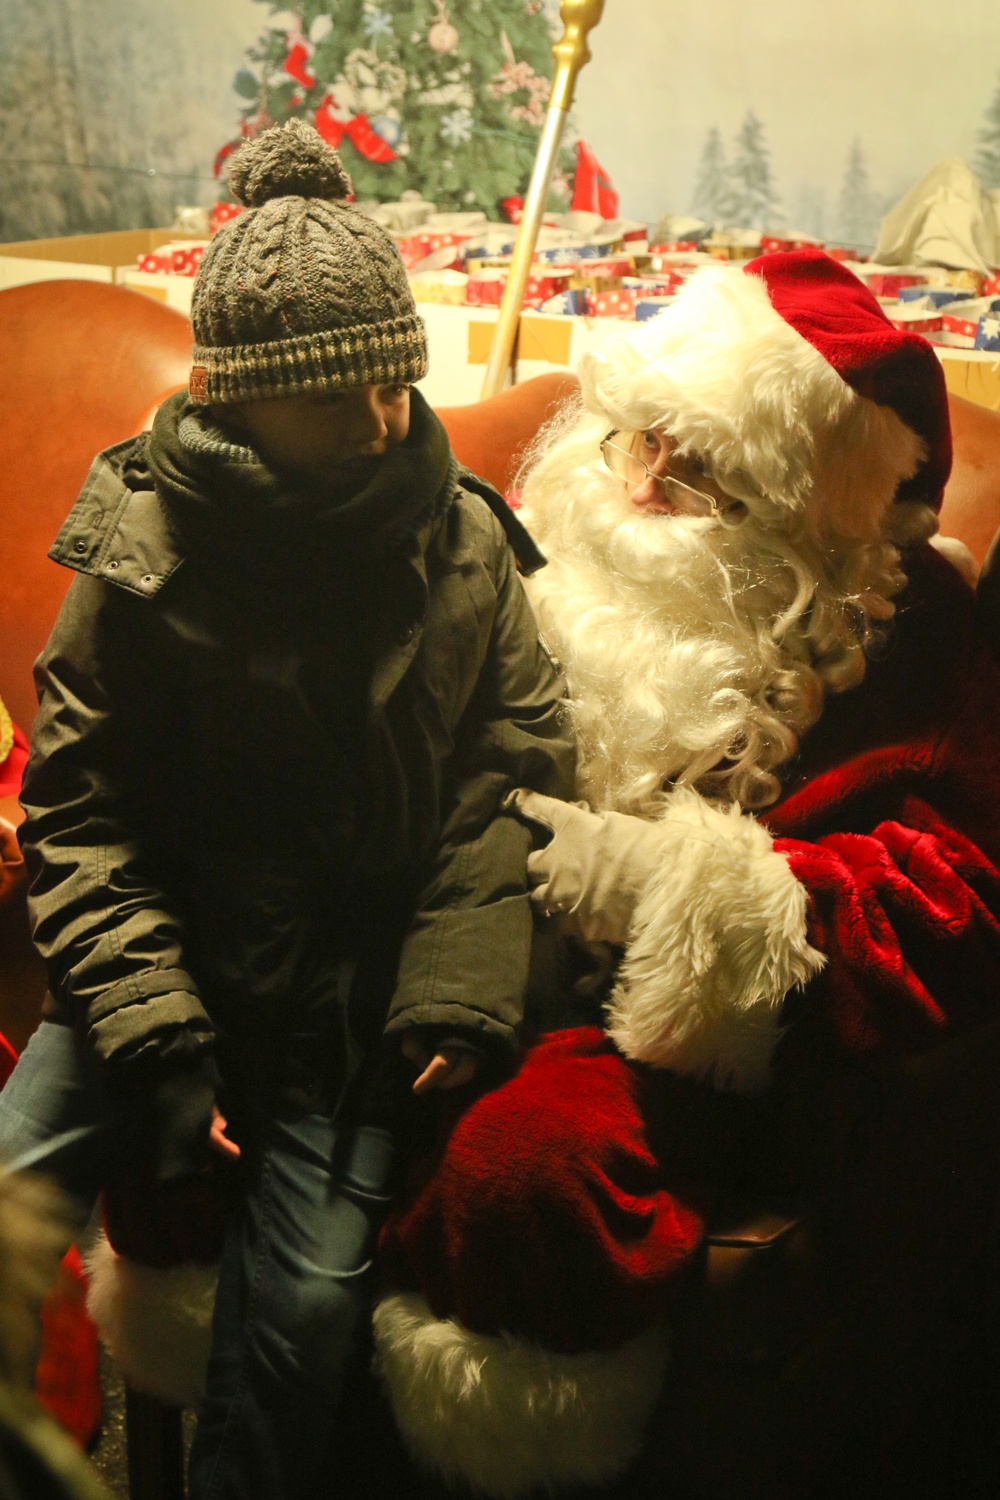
x,y
595,869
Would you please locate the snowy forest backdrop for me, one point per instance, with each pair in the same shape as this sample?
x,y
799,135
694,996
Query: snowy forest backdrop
x,y
796,114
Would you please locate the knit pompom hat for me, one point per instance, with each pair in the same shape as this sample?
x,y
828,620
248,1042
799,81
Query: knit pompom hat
x,y
302,293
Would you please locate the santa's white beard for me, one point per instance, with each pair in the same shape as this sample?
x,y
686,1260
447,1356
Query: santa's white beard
x,y
696,652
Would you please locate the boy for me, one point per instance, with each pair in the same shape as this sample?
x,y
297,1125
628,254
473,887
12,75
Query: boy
x,y
279,712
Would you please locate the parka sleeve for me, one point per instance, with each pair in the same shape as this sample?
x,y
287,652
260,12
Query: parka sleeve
x,y
464,963
112,943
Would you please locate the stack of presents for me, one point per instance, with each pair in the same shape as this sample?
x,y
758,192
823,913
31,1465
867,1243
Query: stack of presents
x,y
589,271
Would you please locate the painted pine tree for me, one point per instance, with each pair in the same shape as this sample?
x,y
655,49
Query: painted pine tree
x,y
755,201
987,159
858,213
442,97
713,194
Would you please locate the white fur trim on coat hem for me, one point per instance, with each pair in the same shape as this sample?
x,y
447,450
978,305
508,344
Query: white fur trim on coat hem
x,y
507,1416
156,1322
718,940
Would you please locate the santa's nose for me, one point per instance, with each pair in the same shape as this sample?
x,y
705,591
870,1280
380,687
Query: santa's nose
x,y
649,495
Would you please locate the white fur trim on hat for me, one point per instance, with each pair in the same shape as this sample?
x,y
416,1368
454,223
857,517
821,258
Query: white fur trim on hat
x,y
156,1322
718,940
725,375
506,1416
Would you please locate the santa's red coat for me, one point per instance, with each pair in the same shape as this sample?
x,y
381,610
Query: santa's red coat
x,y
564,1205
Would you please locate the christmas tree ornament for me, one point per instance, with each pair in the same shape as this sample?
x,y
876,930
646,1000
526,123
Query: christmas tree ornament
x,y
456,128
442,36
376,22
514,77
388,127
296,60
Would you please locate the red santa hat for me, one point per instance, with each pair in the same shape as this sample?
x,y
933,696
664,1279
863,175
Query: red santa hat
x,y
788,378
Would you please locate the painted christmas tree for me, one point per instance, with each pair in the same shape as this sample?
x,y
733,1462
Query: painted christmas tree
x,y
442,97
858,214
755,200
987,158
712,190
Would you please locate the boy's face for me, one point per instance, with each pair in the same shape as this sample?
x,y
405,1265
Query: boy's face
x,y
337,436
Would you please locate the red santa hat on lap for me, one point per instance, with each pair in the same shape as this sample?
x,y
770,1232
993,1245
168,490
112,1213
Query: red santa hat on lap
x,y
789,379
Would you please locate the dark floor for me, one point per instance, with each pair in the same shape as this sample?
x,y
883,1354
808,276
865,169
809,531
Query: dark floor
x,y
966,1465
109,1457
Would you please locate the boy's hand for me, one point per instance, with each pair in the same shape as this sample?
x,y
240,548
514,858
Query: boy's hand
x,y
218,1141
449,1068
12,876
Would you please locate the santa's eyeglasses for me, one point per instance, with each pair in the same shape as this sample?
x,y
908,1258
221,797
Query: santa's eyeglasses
x,y
687,501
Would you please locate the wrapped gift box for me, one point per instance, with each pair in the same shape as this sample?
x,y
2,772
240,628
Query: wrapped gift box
x,y
958,280
599,251
946,339
888,281
771,244
933,296
176,259
448,287
221,213
963,317
648,307
912,319
594,284
485,288
734,244
572,302
988,332
433,250
618,303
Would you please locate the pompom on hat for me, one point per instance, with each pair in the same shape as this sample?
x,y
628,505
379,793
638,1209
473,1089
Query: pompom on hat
x,y
788,378
303,293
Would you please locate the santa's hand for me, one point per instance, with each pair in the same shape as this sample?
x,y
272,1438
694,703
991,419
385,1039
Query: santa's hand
x,y
595,869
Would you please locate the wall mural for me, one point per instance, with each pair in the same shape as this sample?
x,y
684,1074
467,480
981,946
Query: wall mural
x,y
794,114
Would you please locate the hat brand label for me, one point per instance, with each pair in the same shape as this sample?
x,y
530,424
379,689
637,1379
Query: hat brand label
x,y
198,384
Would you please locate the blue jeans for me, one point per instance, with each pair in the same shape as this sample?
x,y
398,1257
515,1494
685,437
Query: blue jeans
x,y
294,1275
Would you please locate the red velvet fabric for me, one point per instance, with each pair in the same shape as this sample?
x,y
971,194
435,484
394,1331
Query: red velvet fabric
x,y
545,1211
68,1378
893,825
166,1224
836,313
892,821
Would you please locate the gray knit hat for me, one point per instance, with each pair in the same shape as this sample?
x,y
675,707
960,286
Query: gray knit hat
x,y
302,293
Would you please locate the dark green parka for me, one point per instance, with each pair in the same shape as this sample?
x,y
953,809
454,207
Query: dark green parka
x,y
210,849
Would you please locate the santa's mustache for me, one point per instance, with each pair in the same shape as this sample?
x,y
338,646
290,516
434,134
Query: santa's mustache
x,y
697,652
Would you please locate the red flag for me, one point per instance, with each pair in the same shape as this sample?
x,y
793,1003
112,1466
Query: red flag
x,y
593,189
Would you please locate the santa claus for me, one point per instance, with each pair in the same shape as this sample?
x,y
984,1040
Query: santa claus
x,y
785,851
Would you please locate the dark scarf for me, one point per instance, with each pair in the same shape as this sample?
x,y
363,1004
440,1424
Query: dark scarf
x,y
229,507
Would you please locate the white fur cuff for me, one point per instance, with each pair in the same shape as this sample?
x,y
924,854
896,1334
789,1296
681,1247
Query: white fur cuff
x,y
718,940
507,1416
155,1322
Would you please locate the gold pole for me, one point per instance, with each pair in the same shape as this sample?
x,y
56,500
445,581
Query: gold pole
x,y
570,52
